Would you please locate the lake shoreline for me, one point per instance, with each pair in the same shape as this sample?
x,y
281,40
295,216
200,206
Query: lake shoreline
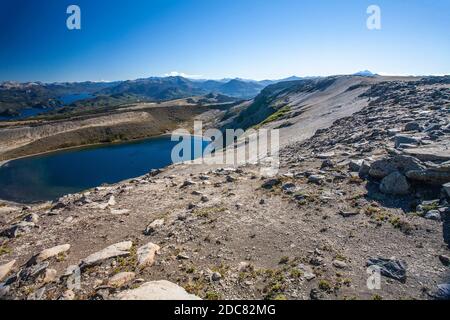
x,y
86,146
94,147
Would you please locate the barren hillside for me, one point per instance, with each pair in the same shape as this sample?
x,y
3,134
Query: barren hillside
x,y
363,182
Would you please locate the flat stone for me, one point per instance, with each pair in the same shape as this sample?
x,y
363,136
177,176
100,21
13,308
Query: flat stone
x,y
5,269
157,290
326,155
430,152
429,176
316,178
339,264
271,183
406,139
49,253
113,251
348,214
120,279
146,255
119,212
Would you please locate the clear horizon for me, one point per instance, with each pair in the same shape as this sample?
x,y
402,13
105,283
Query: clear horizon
x,y
202,39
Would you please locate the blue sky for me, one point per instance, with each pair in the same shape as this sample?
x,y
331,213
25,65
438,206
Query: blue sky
x,y
259,39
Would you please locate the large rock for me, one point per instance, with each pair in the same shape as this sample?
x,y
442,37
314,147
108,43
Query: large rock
x,y
382,168
437,175
146,255
113,251
6,269
157,290
121,279
49,253
395,184
413,126
434,152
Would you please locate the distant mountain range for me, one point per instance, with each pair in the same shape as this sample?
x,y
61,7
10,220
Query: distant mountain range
x,y
16,96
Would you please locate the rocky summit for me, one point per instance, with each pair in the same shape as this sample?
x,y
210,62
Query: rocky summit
x,y
363,187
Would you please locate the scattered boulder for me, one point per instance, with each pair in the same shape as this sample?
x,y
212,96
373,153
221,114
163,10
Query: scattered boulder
x,y
433,152
271,183
146,255
307,271
121,279
348,214
49,253
113,251
382,168
316,178
413,126
391,268
395,184
5,269
339,264
434,176
216,276
119,212
402,139
153,227
157,290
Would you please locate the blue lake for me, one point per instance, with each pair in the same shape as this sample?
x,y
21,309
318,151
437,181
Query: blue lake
x,y
50,176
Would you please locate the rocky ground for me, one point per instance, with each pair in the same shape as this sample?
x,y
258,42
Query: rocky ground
x,y
371,190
